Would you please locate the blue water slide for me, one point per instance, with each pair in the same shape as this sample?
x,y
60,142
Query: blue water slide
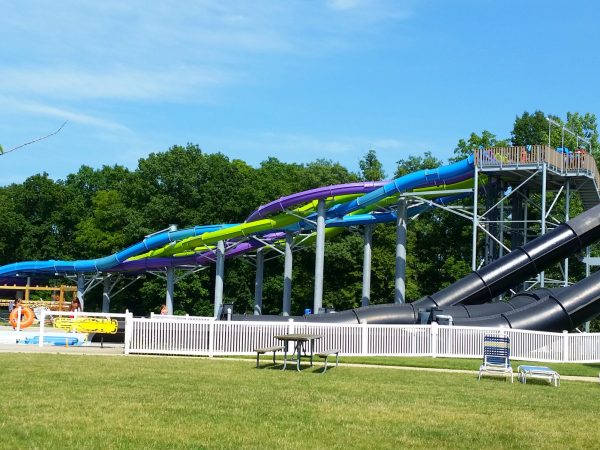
x,y
94,265
208,257
446,174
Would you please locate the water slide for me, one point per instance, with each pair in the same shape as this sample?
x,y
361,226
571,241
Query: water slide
x,y
348,204
550,310
356,204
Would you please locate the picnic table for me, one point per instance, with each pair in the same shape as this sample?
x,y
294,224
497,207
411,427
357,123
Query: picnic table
x,y
543,372
299,339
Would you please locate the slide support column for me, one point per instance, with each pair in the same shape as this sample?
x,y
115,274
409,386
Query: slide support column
x,y
366,276
543,225
81,290
258,282
287,274
106,287
475,218
170,290
319,257
400,282
567,217
220,273
587,274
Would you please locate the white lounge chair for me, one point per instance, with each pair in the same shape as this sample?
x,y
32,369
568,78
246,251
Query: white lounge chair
x,y
496,357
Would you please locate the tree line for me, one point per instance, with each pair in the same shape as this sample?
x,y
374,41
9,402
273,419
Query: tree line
x,y
96,212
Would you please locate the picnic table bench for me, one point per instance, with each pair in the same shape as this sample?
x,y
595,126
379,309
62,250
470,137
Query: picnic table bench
x,y
543,372
325,354
263,350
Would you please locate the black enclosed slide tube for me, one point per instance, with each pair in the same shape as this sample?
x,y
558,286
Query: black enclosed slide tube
x,y
564,309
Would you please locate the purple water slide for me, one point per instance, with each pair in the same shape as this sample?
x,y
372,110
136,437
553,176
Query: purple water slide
x,y
204,258
282,203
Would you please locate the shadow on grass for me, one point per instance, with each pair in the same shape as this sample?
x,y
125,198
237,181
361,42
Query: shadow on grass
x,y
494,379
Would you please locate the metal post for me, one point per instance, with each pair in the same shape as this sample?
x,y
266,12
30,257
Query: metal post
x,y
81,289
319,257
106,285
587,274
567,217
544,174
366,278
475,219
287,274
525,214
220,272
170,290
258,282
587,261
501,232
400,282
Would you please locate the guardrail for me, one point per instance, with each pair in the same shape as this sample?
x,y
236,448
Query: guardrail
x,y
572,163
211,338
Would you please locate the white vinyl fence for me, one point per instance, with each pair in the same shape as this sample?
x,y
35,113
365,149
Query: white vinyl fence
x,y
202,336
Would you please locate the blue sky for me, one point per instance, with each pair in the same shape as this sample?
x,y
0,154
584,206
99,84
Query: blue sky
x,y
298,80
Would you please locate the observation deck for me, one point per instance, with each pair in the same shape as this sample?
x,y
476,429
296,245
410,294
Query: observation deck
x,y
515,165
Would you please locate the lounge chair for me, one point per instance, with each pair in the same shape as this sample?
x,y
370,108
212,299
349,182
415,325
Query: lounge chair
x,y
496,357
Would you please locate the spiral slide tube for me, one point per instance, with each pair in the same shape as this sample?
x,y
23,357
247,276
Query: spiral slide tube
x,y
453,173
100,264
563,310
341,197
208,257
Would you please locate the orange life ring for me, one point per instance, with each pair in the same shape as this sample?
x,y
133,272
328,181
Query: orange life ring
x,y
26,319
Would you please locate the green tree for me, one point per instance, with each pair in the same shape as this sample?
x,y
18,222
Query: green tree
x,y
533,129
414,163
371,168
530,129
487,139
585,126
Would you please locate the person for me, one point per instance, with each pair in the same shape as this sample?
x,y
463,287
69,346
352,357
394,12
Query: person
x,y
75,305
163,310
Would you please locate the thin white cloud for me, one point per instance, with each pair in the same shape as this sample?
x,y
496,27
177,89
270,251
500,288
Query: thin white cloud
x,y
60,113
119,83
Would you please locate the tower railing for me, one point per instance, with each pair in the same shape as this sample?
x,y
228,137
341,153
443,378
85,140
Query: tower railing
x,y
577,162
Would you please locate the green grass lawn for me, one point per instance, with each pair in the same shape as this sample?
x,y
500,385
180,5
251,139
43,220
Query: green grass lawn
x,y
72,401
582,370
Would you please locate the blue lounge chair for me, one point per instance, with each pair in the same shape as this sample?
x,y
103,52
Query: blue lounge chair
x,y
496,357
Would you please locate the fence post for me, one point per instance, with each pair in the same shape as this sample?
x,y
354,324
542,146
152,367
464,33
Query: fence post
x,y
211,339
42,322
434,339
128,331
364,338
565,345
